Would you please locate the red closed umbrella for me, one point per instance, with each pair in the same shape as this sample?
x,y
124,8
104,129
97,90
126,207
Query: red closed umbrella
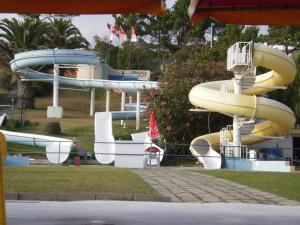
x,y
153,132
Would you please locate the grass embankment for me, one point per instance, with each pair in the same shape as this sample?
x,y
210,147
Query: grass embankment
x,y
283,184
68,179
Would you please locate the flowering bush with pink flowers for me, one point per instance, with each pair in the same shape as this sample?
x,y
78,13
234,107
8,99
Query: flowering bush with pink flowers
x,y
171,106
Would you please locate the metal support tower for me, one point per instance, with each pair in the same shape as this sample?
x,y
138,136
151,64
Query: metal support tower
x,y
239,61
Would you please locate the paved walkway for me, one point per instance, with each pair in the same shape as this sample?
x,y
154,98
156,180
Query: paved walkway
x,y
148,213
184,185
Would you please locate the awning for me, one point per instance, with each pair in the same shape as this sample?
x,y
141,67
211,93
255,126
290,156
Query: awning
x,y
82,6
252,12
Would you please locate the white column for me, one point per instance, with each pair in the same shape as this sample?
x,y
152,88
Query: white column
x,y
123,98
138,106
236,131
130,99
55,85
55,111
92,104
107,107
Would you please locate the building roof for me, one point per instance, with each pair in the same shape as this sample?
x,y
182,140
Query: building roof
x,y
82,6
252,12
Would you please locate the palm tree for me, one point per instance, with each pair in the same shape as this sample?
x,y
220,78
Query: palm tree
x,y
27,34
66,35
6,75
17,36
32,33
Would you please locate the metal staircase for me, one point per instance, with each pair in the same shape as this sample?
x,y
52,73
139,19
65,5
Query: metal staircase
x,y
224,139
246,125
248,80
228,148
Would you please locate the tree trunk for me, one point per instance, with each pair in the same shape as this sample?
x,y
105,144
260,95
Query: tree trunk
x,y
52,128
25,95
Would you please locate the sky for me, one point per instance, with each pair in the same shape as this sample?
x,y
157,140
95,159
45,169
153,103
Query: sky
x,y
90,25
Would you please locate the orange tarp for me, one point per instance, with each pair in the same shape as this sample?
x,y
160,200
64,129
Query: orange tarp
x,y
82,6
253,17
252,12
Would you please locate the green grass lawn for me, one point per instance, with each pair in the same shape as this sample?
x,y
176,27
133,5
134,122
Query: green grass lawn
x,y
67,179
283,184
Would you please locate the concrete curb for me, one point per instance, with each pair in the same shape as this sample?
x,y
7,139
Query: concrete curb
x,y
85,196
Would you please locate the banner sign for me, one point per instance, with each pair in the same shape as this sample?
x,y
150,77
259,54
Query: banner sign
x,y
136,74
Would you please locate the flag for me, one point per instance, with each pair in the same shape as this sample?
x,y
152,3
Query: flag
x,y
112,32
133,35
122,34
153,132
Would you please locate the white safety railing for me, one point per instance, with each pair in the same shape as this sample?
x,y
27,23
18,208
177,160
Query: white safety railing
x,y
240,54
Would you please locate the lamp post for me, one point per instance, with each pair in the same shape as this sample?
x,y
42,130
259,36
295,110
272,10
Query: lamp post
x,y
107,106
162,67
211,34
138,108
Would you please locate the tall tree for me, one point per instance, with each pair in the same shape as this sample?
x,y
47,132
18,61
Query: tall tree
x,y
169,32
65,35
21,35
107,50
34,33
182,29
6,75
154,29
288,36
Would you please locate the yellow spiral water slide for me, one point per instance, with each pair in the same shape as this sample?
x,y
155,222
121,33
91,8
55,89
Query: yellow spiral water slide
x,y
279,119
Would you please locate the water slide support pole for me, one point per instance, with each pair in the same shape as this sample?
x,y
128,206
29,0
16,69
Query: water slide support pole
x,y
55,111
55,85
107,100
92,105
130,99
123,98
236,131
211,34
138,106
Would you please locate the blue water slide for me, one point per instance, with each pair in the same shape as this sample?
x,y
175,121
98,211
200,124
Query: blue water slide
x,y
24,62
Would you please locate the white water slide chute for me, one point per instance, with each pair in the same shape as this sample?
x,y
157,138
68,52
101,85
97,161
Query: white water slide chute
x,y
23,63
57,149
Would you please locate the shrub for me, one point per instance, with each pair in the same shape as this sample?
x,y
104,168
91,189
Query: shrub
x,y
171,105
